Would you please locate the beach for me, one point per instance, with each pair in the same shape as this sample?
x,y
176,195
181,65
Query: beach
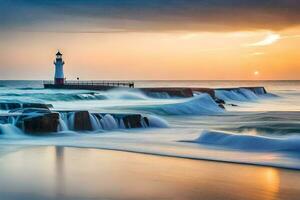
x,y
82,173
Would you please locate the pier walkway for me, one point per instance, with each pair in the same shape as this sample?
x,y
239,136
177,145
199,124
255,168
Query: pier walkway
x,y
88,85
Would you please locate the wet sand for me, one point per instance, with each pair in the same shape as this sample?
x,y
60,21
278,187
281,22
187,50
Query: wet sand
x,y
74,173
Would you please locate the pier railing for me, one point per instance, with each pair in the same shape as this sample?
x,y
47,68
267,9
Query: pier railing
x,y
95,83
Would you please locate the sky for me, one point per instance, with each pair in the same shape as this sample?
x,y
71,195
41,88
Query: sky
x,y
151,39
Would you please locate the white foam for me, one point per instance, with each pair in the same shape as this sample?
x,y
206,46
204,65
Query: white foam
x,y
63,120
242,94
10,131
157,122
248,142
71,121
96,125
201,104
108,122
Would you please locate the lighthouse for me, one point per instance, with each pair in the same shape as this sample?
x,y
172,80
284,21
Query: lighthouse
x,y
59,69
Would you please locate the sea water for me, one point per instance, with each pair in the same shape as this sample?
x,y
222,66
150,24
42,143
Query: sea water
x,y
254,128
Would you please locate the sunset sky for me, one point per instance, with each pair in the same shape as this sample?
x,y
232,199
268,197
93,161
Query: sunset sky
x,y
151,39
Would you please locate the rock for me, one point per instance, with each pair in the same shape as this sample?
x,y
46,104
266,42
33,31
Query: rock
x,y
172,92
221,106
9,106
35,105
133,121
82,121
219,101
30,110
39,124
4,119
146,120
12,106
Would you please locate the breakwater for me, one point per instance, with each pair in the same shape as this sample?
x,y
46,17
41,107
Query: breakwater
x,y
88,85
150,91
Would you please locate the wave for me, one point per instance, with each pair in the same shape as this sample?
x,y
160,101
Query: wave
x,y
112,121
29,88
201,104
271,123
242,94
122,95
11,131
99,123
125,94
248,142
59,96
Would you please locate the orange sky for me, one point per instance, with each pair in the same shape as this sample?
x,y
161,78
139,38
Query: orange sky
x,y
185,55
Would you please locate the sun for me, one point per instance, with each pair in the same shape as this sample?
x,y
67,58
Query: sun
x,y
256,73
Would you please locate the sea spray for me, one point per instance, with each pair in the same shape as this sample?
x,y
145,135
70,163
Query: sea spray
x,y
63,120
157,122
242,94
10,131
201,104
108,122
71,120
248,142
96,125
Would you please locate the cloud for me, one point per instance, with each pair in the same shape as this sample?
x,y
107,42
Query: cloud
x,y
268,40
149,15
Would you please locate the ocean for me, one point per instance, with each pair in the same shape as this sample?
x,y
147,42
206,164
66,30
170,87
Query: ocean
x,y
256,129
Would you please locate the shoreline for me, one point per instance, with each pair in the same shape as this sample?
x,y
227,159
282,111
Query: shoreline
x,y
162,155
82,173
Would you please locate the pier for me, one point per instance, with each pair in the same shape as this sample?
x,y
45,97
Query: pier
x,y
89,85
60,82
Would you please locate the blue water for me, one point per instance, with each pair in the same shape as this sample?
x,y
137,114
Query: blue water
x,y
262,129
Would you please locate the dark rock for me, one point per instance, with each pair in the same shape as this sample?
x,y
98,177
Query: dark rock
x,y
39,124
4,119
30,110
35,105
98,116
9,106
219,101
82,121
172,92
133,121
146,120
12,106
221,106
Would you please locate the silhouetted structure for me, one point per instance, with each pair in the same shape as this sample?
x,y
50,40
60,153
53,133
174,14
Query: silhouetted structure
x,y
61,83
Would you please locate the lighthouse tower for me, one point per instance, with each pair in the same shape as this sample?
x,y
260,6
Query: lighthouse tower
x,y
59,70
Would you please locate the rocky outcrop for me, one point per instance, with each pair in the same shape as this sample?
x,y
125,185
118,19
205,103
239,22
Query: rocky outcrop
x,y
35,105
82,121
133,121
39,124
12,106
9,106
171,92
